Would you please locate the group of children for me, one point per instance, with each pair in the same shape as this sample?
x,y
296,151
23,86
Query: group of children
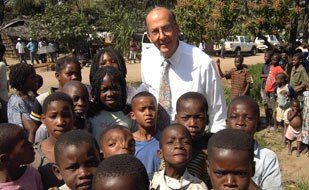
x,y
284,92
90,137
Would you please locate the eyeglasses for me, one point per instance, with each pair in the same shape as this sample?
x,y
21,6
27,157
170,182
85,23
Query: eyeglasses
x,y
168,29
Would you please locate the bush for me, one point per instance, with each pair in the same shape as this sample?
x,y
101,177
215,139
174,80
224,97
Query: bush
x,y
255,71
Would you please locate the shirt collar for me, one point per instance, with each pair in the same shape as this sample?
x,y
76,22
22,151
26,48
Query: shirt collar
x,y
175,59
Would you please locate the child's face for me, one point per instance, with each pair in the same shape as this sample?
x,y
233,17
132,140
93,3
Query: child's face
x,y
59,118
117,141
110,93
242,116
80,98
77,165
144,111
31,82
176,147
107,59
192,114
129,182
23,152
70,72
296,61
230,169
267,57
295,107
275,59
280,80
238,62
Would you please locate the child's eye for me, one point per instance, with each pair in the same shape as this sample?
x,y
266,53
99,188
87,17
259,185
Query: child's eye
x,y
92,163
169,142
112,144
185,118
73,167
220,173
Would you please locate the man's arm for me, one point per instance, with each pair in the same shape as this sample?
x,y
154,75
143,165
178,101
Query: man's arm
x,y
215,98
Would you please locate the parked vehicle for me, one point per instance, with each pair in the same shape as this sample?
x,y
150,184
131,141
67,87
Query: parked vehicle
x,y
236,45
260,43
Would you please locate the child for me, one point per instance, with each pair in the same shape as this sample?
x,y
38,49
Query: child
x,y
109,93
265,71
67,69
299,77
305,125
294,129
116,140
77,158
23,79
58,116
176,151
144,111
77,91
111,57
244,114
191,110
230,160
121,172
15,152
270,85
284,93
240,76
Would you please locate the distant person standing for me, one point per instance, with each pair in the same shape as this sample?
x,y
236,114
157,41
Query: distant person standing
x,y
133,47
42,56
20,46
32,46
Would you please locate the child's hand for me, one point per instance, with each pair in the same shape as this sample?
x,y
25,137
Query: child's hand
x,y
218,62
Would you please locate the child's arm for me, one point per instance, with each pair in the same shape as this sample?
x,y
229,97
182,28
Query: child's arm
x,y
219,68
291,115
246,89
29,128
253,186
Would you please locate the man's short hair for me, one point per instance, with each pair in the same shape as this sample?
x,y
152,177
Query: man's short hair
x,y
121,165
57,96
231,139
8,134
194,96
172,15
73,138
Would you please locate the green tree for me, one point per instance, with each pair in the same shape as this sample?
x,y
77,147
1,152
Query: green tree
x,y
63,24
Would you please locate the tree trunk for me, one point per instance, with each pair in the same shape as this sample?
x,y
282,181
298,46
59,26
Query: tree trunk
x,y
293,32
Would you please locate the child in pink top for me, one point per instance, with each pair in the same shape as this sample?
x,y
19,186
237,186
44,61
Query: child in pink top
x,y
15,152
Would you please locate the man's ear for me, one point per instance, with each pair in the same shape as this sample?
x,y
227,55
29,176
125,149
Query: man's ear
x,y
56,171
57,75
3,158
159,153
132,115
149,36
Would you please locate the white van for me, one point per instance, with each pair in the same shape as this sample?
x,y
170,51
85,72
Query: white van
x,y
270,38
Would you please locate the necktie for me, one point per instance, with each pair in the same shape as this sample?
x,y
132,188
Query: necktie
x,y
165,107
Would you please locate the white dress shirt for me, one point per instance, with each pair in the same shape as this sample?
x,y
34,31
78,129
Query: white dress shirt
x,y
191,70
267,170
20,46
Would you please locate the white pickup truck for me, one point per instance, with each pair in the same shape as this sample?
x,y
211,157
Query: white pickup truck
x,y
237,45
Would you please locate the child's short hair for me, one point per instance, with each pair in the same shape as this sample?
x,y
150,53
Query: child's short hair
x,y
246,99
19,74
40,81
240,57
64,61
142,94
169,126
299,56
231,139
111,128
122,165
270,52
73,138
120,61
97,81
7,137
282,75
57,96
194,96
294,101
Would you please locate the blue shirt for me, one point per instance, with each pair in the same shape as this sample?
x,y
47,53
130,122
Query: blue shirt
x,y
146,152
32,47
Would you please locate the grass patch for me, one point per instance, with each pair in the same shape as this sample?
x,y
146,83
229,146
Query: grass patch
x,y
255,72
227,96
270,140
296,185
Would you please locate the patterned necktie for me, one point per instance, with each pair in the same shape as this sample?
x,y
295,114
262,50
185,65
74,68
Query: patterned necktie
x,y
165,107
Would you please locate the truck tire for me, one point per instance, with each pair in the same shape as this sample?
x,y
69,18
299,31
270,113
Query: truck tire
x,y
237,52
253,50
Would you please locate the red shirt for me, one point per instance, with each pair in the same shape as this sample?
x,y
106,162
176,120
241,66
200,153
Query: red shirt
x,y
271,78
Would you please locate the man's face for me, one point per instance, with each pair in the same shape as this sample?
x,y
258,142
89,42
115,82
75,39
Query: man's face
x,y
230,169
162,31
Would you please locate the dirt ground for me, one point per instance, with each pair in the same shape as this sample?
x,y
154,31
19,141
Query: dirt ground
x,y
293,168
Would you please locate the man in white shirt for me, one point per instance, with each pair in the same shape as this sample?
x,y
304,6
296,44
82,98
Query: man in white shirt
x,y
20,46
190,70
